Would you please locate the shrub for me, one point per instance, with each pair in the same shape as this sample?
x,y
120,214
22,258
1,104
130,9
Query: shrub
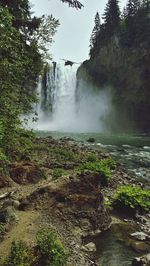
x,y
58,172
101,166
92,157
3,157
52,250
65,154
19,255
98,167
132,198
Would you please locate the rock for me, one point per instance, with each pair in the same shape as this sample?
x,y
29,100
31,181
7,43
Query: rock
x,y
140,236
85,223
24,204
11,215
11,202
49,137
142,261
126,220
25,172
80,199
8,215
140,246
67,139
5,181
68,166
92,140
94,233
89,247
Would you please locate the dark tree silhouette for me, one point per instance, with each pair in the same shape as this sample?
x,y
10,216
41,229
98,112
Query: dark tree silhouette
x,y
95,30
111,16
132,7
73,3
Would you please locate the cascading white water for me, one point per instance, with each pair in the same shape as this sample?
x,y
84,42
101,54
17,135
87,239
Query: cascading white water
x,y
64,107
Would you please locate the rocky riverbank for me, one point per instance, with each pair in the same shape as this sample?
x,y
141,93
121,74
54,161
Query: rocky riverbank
x,y
51,189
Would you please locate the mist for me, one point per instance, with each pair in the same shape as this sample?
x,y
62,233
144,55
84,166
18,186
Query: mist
x,y
72,106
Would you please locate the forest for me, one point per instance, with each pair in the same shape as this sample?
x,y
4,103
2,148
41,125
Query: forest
x,y
23,53
120,59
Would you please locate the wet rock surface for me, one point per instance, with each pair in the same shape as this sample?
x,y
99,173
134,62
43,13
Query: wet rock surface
x,y
142,261
140,236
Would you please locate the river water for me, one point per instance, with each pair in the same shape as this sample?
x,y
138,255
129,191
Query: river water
x,y
133,153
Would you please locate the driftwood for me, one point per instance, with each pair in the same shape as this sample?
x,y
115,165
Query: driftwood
x,y
7,195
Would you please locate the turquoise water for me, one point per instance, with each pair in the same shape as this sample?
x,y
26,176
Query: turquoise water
x,y
118,140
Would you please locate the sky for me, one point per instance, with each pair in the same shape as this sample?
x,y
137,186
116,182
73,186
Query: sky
x,y
71,41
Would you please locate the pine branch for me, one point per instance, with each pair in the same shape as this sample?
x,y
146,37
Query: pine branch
x,y
73,3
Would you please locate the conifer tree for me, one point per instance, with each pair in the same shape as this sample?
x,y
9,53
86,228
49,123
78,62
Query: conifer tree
x,y
111,16
132,7
95,30
73,3
146,4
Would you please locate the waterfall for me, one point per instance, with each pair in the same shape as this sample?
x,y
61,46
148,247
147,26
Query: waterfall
x,y
68,107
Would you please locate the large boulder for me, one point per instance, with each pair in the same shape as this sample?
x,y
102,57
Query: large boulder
x,y
75,198
25,172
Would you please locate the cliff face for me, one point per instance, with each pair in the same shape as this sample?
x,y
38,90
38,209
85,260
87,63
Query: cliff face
x,y
127,72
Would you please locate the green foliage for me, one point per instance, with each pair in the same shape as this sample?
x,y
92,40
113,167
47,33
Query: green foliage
x,y
101,166
58,172
3,157
95,31
21,60
2,229
133,198
49,252
111,17
19,255
52,250
65,154
92,157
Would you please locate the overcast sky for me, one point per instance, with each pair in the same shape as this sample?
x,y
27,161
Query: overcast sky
x,y
73,34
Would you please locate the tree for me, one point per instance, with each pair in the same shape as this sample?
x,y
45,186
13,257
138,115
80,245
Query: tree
x,y
111,17
20,9
146,4
73,3
21,61
95,30
43,35
132,7
136,24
